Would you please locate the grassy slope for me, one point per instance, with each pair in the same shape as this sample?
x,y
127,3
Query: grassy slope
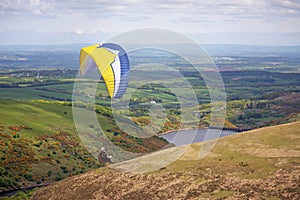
x,y
42,118
48,149
262,163
45,147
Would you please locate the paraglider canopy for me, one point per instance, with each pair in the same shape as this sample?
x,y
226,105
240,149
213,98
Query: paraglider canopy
x,y
112,62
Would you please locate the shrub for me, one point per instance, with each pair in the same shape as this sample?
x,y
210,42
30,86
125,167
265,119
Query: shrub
x,y
28,177
58,177
49,173
6,181
63,167
3,172
243,164
37,145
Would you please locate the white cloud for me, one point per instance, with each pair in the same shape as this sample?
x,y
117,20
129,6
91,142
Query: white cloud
x,y
37,12
79,31
22,7
35,2
116,8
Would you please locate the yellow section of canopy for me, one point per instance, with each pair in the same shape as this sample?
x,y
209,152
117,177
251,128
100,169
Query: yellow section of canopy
x,y
103,59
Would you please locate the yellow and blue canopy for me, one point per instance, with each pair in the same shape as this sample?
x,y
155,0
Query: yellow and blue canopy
x,y
112,62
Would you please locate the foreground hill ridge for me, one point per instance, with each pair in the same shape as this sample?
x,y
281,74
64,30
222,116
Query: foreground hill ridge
x,y
117,185
233,170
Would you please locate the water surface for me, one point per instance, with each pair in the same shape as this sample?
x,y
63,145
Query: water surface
x,y
183,137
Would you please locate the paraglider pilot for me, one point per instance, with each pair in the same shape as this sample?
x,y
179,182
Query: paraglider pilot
x,y
103,157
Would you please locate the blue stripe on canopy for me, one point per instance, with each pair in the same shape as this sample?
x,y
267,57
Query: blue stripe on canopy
x,y
125,67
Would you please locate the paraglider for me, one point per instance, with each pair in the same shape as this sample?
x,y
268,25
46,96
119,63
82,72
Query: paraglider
x,y
112,62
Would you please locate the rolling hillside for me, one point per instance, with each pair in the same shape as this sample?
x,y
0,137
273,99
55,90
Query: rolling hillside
x,y
258,164
39,143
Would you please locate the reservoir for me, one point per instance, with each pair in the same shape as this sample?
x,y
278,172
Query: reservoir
x,y
183,137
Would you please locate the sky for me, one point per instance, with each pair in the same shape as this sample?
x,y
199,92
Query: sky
x,y
254,22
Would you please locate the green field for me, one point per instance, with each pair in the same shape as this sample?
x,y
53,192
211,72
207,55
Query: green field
x,y
261,87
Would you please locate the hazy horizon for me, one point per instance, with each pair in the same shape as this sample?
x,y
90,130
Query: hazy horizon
x,y
218,38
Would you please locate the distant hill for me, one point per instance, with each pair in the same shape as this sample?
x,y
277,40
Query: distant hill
x,y
258,164
20,57
251,50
